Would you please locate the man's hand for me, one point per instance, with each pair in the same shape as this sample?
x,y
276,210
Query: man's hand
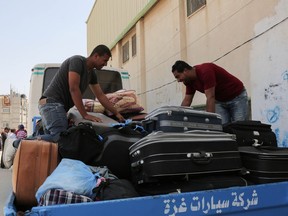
x,y
92,118
120,117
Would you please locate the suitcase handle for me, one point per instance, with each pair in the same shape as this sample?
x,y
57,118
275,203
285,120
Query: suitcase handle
x,y
258,143
200,157
253,142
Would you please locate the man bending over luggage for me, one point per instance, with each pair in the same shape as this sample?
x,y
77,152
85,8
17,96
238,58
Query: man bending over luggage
x,y
66,89
225,94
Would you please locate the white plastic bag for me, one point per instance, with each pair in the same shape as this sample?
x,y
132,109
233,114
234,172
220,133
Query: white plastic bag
x,y
8,152
70,175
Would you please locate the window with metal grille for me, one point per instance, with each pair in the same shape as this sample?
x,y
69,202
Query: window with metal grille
x,y
125,52
194,5
5,124
134,50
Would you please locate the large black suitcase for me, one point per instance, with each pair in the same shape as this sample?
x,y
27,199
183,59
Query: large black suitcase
x,y
117,141
251,132
160,155
265,164
197,183
181,119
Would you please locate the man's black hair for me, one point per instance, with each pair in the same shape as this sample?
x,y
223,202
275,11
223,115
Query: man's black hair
x,y
180,66
101,50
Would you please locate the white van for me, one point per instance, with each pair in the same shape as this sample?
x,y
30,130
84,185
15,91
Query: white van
x,y
42,74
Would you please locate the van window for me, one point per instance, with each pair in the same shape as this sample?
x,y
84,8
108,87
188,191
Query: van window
x,y
48,76
110,81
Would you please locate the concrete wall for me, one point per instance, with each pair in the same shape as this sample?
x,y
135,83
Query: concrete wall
x,y
269,71
247,37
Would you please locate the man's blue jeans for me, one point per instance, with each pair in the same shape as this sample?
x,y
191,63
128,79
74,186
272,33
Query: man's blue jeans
x,y
54,120
233,110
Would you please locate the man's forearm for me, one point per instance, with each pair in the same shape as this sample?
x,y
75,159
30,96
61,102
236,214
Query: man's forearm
x,y
77,99
187,100
210,105
107,104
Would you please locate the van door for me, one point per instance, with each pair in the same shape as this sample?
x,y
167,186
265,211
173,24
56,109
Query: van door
x,y
41,76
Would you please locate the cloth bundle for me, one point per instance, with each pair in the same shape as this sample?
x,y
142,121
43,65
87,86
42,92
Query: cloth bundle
x,y
125,101
93,106
59,196
70,175
75,182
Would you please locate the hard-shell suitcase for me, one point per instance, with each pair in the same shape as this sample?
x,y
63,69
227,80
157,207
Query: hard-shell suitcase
x,y
181,119
197,183
76,118
33,162
251,132
115,154
160,155
265,164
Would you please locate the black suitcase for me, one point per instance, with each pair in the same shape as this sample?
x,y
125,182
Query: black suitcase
x,y
251,132
265,164
197,183
181,119
160,155
115,154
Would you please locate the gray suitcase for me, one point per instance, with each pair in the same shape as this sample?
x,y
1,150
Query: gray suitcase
x,y
76,118
161,155
181,119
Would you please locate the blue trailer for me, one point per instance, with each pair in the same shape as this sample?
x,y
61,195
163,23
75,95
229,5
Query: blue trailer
x,y
263,200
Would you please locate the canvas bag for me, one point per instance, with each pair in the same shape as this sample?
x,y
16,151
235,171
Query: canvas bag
x,y
81,142
110,189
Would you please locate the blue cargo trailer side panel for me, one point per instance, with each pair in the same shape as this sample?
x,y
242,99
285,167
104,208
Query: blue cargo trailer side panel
x,y
264,200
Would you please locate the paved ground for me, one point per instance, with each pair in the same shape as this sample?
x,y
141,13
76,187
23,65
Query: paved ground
x,y
5,186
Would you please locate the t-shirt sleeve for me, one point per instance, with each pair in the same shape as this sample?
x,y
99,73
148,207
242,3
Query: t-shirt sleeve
x,y
190,90
76,64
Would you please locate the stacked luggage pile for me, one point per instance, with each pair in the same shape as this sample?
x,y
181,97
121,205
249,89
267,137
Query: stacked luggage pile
x,y
263,160
172,150
186,150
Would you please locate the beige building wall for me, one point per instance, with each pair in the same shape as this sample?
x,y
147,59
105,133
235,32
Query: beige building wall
x,y
109,20
223,32
13,110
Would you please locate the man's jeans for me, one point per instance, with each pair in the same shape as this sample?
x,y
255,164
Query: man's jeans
x,y
54,120
234,110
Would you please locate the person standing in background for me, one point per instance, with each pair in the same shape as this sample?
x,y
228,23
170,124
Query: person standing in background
x,y
4,136
21,133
